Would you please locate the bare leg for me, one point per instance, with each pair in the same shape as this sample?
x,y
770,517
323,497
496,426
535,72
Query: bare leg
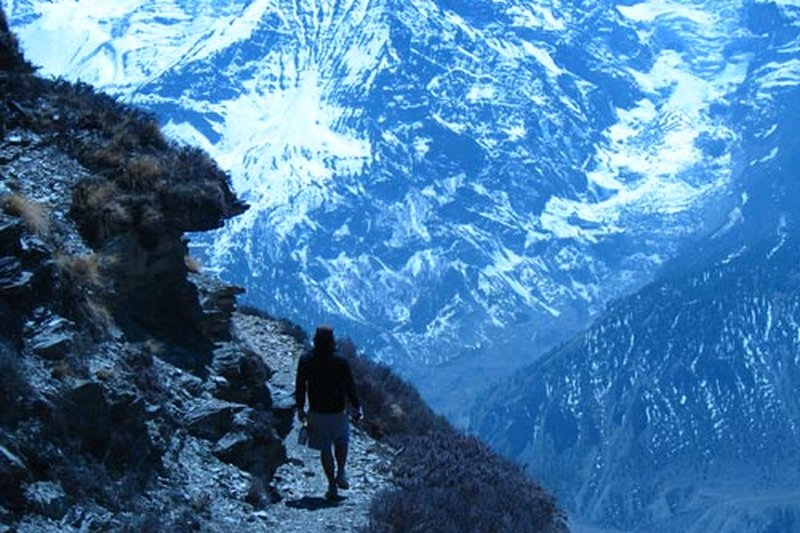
x,y
341,462
326,458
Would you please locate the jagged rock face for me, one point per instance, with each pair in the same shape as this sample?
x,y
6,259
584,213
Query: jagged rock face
x,y
128,201
10,58
101,332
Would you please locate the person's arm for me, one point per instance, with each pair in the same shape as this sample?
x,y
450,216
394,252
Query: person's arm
x,y
300,390
350,388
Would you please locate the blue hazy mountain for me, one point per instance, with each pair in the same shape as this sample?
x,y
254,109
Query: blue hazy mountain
x,y
677,410
462,185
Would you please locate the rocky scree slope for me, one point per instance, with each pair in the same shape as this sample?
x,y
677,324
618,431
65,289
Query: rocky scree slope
x,y
134,396
127,405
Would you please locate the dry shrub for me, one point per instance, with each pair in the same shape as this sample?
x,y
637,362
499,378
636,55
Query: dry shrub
x,y
150,132
447,481
99,194
89,269
101,210
85,268
144,168
99,313
454,483
110,156
35,215
124,135
392,406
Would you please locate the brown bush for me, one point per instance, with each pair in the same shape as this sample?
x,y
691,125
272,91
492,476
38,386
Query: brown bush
x,y
99,194
392,407
144,168
90,270
35,215
454,483
448,482
107,157
99,313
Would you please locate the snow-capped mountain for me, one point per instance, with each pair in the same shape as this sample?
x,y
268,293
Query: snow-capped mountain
x,y
439,177
677,410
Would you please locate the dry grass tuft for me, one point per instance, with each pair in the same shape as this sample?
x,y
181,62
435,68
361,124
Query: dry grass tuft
x,y
35,215
99,313
109,156
100,194
89,269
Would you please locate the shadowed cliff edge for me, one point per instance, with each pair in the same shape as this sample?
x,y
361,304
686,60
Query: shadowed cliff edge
x,y
135,397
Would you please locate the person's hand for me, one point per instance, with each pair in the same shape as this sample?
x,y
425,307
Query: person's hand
x,y
355,414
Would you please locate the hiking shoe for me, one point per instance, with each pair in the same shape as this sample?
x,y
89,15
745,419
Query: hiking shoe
x,y
332,493
341,482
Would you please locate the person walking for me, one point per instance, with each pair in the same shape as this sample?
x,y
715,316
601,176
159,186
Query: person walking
x,y
326,378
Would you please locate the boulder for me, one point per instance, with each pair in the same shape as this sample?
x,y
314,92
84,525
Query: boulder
x,y
253,445
211,419
54,338
245,377
283,411
86,415
46,498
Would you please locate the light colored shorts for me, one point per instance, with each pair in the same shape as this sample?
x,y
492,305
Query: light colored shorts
x,y
326,429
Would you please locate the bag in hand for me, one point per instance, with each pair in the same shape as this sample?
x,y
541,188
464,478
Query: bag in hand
x,y
302,435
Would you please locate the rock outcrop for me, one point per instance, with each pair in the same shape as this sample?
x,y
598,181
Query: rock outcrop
x,y
126,400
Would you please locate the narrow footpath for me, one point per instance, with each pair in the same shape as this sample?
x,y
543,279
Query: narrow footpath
x,y
300,482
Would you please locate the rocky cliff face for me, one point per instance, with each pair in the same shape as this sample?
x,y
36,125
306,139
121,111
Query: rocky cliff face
x,y
127,404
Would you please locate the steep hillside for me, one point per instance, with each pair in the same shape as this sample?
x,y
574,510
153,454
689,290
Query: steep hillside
x,y
677,410
676,407
134,396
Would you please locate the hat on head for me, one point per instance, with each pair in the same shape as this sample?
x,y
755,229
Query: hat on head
x,y
324,334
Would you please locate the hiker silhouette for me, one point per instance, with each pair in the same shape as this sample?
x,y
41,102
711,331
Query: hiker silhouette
x,y
327,380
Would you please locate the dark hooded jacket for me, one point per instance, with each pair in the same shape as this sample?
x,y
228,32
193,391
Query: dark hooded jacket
x,y
327,379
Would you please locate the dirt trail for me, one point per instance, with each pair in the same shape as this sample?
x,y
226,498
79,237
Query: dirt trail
x,y
301,482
